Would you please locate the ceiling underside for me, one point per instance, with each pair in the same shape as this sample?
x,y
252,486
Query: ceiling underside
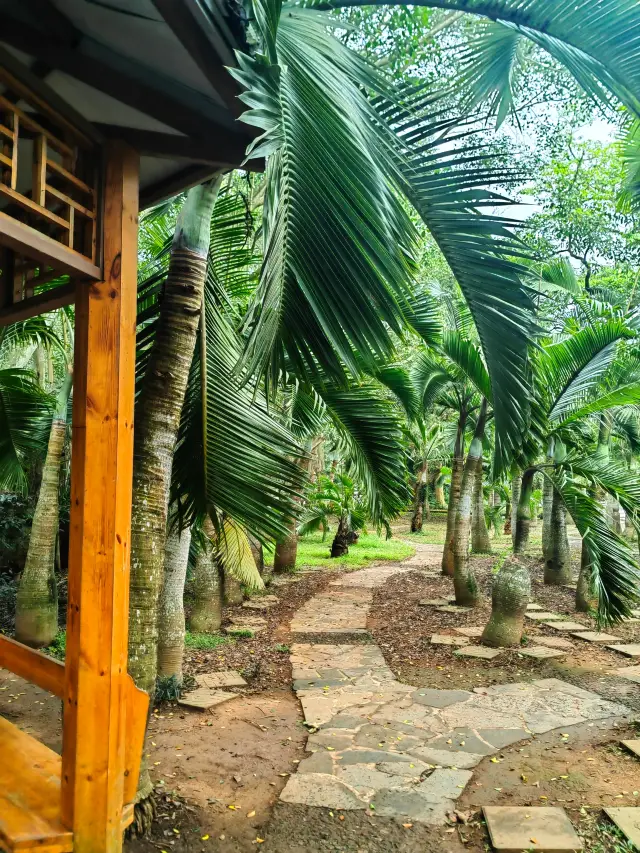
x,y
147,71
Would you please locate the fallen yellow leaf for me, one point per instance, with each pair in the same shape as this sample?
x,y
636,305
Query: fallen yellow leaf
x,y
205,837
251,814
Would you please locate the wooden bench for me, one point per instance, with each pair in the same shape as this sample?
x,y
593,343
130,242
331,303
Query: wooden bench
x,y
31,814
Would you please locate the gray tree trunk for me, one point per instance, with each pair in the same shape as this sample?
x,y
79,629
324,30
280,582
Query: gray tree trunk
x,y
523,513
206,616
171,624
586,599
480,542
516,487
557,567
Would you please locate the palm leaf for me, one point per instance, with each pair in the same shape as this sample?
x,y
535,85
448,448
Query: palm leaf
x,y
25,415
468,359
232,550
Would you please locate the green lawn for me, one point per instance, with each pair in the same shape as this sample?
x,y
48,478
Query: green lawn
x,y
312,551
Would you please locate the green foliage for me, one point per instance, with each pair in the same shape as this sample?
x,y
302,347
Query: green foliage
x,y
16,514
204,641
25,415
333,498
240,632
58,647
168,689
282,648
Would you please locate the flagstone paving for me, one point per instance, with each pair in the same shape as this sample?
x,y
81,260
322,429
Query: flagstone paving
x,y
631,650
513,830
378,744
627,819
631,673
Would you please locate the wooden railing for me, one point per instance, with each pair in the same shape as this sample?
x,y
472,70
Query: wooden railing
x,y
48,170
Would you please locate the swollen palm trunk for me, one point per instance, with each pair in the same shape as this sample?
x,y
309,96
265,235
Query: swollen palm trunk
x,y
158,412
586,599
171,625
233,593
340,544
509,598
206,616
480,542
557,566
547,504
37,598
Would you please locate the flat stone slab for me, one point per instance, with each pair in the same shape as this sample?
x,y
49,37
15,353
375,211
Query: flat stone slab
x,y
565,626
631,673
441,757
228,678
433,602
478,652
320,789
439,698
544,616
445,640
533,606
203,698
631,650
554,642
632,745
453,608
594,636
628,822
470,632
514,830
542,652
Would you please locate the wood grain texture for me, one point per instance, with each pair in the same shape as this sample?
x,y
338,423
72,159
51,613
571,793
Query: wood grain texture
x,y
95,718
28,241
34,666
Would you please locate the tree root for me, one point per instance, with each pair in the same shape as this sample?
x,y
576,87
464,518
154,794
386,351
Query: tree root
x,y
144,814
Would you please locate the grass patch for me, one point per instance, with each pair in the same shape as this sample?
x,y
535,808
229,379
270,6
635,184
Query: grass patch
x,y
204,641
312,551
240,632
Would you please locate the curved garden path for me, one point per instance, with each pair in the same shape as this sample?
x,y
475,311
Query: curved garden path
x,y
401,751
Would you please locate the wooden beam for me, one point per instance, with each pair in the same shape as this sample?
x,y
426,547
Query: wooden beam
x,y
223,149
25,240
50,300
36,667
95,705
125,80
206,48
168,187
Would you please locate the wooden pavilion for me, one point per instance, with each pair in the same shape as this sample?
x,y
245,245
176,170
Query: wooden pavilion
x,y
106,107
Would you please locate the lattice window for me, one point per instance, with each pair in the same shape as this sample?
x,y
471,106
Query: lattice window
x,y
48,170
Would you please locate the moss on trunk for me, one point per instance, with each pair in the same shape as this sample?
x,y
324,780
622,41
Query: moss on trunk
x,y
509,598
171,623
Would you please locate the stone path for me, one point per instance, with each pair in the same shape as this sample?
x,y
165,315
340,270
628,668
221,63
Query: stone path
x,y
392,748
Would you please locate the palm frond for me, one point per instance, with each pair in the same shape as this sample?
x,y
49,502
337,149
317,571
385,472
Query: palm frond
x,y
232,550
468,359
337,238
25,414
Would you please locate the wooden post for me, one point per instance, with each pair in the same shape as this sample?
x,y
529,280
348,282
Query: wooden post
x,y
93,760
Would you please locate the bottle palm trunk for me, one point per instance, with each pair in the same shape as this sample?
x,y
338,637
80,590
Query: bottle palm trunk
x,y
37,597
464,580
557,566
523,512
454,495
586,598
286,551
158,412
480,542
206,615
171,624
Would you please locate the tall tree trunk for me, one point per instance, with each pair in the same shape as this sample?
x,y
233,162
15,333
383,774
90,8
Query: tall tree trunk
x,y
464,580
509,598
454,495
615,512
158,410
206,615
630,531
523,513
439,491
547,504
480,542
516,488
258,555
586,599
426,506
37,597
416,520
284,558
171,625
557,566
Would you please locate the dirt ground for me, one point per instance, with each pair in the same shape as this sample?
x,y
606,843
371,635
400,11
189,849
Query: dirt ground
x,y
218,775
